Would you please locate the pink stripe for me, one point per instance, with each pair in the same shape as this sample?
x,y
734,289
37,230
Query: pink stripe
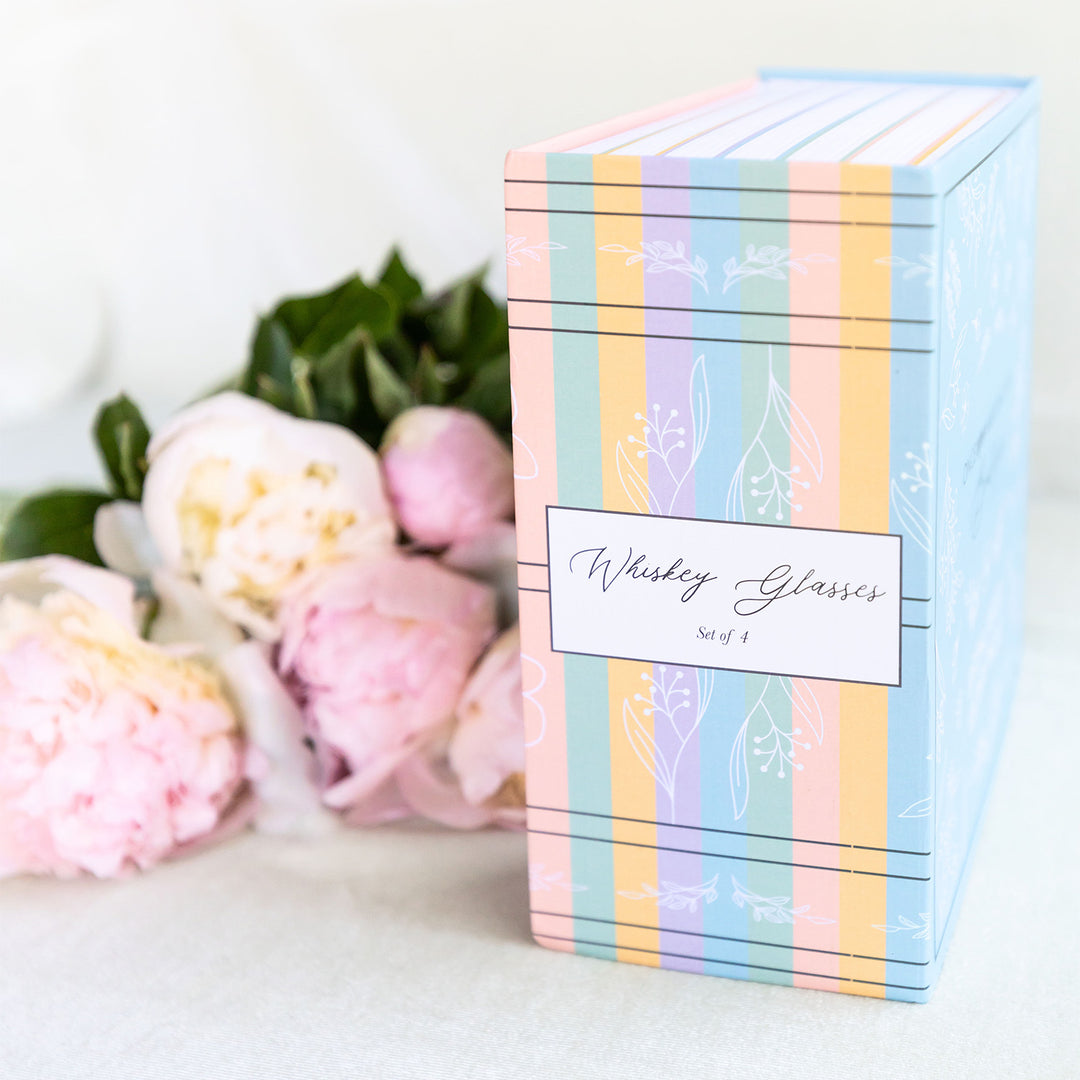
x,y
632,120
815,388
536,481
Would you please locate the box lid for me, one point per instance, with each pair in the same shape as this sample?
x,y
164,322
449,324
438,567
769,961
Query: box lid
x,y
929,129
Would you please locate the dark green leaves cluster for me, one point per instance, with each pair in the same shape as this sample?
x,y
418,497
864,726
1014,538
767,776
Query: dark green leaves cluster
x,y
61,521
356,355
361,353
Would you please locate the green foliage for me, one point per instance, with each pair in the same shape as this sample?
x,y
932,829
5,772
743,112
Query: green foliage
x,y
360,353
59,522
356,355
122,437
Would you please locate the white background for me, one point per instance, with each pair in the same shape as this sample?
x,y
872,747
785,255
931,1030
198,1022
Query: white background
x,y
187,161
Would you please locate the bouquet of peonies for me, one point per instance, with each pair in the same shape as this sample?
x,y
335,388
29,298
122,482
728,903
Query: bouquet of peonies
x,y
294,605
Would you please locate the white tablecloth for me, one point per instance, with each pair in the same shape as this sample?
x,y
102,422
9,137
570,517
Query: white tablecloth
x,y
404,951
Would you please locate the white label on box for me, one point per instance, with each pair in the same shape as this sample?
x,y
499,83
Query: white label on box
x,y
817,603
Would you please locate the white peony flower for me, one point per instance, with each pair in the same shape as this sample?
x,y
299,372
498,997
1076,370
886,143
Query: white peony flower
x,y
246,499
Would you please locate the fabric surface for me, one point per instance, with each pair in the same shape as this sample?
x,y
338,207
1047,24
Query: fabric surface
x,y
404,952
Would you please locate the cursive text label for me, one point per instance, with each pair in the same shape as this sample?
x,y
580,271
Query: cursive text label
x,y
779,584
638,568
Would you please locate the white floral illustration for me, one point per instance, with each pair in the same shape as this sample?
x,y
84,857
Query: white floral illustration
x,y
539,881
783,423
915,522
953,287
918,809
977,201
770,262
529,695
662,438
925,265
774,909
677,897
526,458
919,931
950,576
774,744
956,402
666,700
516,246
661,257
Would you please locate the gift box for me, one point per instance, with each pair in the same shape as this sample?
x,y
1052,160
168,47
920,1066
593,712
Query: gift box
x,y
770,358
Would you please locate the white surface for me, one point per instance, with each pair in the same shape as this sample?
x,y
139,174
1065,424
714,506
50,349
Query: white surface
x,y
202,157
404,952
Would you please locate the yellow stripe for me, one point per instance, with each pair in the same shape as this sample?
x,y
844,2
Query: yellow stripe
x,y
864,505
622,394
953,131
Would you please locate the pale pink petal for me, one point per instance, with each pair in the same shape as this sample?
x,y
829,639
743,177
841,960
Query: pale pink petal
x,y
435,793
123,541
187,618
288,800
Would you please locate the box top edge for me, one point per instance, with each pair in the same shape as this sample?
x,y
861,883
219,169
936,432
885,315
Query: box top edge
x,y
1019,96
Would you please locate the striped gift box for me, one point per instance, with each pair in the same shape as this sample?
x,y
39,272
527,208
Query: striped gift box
x,y
770,351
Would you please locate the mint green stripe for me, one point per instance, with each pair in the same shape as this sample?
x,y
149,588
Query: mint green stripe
x,y
580,483
769,808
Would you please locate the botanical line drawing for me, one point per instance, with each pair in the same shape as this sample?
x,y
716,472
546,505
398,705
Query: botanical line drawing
x,y
957,403
660,257
773,483
677,897
950,577
774,909
516,246
954,286
529,695
769,261
541,882
921,477
666,699
661,438
919,808
926,264
920,931
775,744
526,457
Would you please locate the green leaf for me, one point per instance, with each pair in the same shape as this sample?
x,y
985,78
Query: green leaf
x,y
397,279
122,437
270,366
449,317
389,392
304,403
488,329
358,307
428,381
489,394
335,383
299,315
59,522
468,327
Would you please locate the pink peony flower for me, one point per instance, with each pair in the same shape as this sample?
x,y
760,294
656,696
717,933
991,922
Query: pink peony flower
x,y
113,751
479,779
378,652
491,557
448,475
487,750
470,772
